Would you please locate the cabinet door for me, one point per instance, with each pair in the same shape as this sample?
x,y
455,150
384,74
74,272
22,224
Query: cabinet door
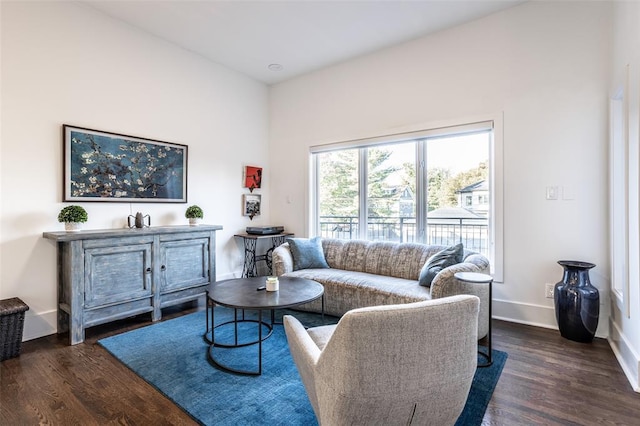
x,y
184,264
117,274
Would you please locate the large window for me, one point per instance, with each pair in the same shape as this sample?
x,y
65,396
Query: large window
x,y
433,186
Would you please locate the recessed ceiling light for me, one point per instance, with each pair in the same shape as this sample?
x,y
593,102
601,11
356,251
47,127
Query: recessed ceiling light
x,y
275,67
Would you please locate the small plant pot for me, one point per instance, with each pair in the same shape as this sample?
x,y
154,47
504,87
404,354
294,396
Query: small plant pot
x,y
72,226
194,221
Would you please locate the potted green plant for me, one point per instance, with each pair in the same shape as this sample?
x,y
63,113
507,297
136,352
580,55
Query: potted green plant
x,y
72,216
194,214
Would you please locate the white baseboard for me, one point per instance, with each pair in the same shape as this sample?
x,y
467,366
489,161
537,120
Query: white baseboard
x,y
39,324
524,313
627,357
538,315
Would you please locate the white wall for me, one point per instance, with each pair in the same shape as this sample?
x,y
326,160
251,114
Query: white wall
x,y
63,62
544,66
625,321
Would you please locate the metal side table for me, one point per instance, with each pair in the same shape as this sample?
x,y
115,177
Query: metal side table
x,y
250,242
480,279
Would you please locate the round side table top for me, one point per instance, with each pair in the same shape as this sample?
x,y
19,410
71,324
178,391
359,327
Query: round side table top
x,y
473,277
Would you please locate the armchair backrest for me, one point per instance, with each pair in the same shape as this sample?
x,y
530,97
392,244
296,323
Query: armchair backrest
x,y
399,364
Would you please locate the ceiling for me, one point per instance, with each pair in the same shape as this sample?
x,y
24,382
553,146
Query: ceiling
x,y
300,35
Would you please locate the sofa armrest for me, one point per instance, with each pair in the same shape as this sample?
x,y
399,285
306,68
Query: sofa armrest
x,y
282,260
444,284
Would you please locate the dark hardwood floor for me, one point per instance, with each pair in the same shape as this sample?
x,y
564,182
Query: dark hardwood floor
x,y
547,380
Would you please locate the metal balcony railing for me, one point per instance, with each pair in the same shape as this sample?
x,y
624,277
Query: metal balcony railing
x,y
471,232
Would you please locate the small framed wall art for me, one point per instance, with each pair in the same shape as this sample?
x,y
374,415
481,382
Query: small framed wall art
x,y
105,166
251,205
252,177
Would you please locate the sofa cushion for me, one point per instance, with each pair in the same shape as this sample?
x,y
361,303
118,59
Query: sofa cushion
x,y
346,290
307,253
378,257
439,261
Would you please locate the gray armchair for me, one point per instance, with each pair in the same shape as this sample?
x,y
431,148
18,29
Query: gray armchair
x,y
393,365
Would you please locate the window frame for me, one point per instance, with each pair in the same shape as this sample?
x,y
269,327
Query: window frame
x,y
619,196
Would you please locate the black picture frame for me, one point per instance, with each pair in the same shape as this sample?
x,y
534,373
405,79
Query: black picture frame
x,y
102,166
251,205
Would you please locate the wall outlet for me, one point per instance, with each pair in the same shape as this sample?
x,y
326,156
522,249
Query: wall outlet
x,y
548,290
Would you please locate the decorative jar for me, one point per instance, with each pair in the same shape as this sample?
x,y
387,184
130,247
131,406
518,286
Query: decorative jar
x,y
272,284
577,302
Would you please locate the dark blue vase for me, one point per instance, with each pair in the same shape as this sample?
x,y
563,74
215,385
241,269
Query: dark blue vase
x,y
577,302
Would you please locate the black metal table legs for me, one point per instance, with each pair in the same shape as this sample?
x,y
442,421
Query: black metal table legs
x,y
488,355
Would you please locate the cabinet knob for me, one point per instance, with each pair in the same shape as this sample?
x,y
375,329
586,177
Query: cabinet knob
x,y
163,267
148,270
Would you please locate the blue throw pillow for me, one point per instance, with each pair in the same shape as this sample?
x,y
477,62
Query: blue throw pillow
x,y
439,261
307,253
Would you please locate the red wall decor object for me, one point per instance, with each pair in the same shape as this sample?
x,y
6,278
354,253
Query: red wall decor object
x,y
252,177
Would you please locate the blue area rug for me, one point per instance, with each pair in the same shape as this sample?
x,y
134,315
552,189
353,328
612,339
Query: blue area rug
x,y
172,357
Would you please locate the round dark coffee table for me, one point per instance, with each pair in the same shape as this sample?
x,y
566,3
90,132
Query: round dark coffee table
x,y
243,294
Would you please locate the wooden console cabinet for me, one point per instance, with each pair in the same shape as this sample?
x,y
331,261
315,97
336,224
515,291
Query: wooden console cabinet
x,y
106,275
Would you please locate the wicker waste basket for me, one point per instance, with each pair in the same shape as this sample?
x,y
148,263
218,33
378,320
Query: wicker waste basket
x,y
11,326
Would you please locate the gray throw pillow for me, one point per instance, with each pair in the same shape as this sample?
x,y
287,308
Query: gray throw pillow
x,y
307,253
439,261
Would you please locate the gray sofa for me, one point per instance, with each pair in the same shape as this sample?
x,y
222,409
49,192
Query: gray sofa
x,y
367,273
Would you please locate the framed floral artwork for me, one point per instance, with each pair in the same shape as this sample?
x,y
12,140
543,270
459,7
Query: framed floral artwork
x,y
105,166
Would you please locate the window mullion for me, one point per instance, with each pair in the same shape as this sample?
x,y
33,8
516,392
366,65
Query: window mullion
x,y
315,199
421,190
363,203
